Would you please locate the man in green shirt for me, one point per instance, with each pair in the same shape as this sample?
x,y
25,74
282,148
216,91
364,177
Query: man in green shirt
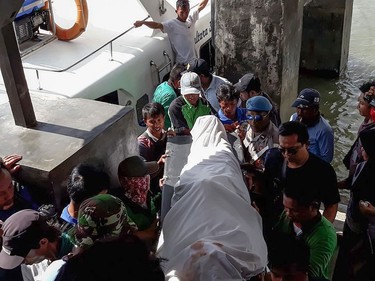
x,y
167,91
301,218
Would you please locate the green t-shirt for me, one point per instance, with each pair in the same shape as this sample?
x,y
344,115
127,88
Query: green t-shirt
x,y
165,94
321,239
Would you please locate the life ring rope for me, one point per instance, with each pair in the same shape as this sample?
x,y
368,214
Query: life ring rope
x,y
66,34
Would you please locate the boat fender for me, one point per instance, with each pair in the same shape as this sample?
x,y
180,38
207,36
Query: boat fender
x,y
79,26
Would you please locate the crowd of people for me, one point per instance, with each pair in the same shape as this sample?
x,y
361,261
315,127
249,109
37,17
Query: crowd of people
x,y
267,217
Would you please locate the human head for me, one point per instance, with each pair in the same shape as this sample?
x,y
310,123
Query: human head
x,y
27,238
134,176
100,217
107,260
293,140
289,258
200,67
86,180
307,105
300,204
248,86
191,87
365,98
175,75
154,117
228,99
182,10
258,109
6,188
367,138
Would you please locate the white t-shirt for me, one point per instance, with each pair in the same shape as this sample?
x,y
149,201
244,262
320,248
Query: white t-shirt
x,y
181,36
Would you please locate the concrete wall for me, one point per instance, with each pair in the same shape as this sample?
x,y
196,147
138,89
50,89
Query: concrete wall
x,y
262,37
325,37
69,132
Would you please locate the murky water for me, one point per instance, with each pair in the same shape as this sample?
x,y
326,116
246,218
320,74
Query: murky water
x,y
340,95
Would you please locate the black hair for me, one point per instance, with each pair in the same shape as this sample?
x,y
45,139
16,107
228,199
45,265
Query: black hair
x,y
127,257
366,86
152,109
227,92
86,180
294,127
287,253
182,3
176,72
254,84
304,196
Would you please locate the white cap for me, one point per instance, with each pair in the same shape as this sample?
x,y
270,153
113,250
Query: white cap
x,y
190,84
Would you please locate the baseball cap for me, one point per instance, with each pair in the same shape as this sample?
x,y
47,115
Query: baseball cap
x,y
199,66
22,232
101,216
243,83
190,84
307,97
258,103
136,166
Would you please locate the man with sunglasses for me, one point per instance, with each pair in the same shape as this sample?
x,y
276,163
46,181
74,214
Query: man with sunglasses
x,y
261,136
321,138
291,167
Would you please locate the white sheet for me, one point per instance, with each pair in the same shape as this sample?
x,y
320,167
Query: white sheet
x,y
212,232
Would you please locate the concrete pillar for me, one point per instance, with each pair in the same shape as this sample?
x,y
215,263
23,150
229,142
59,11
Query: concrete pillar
x,y
261,36
326,36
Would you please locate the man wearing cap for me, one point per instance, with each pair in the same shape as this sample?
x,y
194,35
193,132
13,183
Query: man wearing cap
x,y
321,138
134,175
167,91
210,82
180,31
261,136
249,86
27,238
189,106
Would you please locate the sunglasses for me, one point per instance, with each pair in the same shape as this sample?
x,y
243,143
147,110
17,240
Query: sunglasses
x,y
257,117
289,150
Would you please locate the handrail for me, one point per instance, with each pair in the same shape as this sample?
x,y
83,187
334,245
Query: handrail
x,y
85,57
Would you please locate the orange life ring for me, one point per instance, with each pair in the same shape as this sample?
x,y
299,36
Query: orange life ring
x,y
79,26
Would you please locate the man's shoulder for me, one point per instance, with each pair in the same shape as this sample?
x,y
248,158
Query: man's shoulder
x,y
319,164
219,80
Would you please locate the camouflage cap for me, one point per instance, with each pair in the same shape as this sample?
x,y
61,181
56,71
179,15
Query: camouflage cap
x,y
99,217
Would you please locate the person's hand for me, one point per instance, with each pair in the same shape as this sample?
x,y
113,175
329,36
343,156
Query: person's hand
x,y
366,208
162,159
171,133
138,23
231,127
10,163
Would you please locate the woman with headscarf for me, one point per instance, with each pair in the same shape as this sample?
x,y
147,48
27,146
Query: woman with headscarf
x,y
356,254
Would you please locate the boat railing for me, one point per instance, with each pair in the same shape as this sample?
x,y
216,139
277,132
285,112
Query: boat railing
x,y
110,43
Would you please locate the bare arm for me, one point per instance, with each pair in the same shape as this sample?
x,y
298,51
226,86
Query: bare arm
x,y
202,5
150,24
330,212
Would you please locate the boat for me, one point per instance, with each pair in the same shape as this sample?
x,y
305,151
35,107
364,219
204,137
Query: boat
x,y
92,50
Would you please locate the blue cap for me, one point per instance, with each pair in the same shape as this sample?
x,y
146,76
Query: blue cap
x,y
258,103
307,97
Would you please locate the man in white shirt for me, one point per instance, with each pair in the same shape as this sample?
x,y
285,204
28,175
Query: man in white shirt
x,y
180,30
